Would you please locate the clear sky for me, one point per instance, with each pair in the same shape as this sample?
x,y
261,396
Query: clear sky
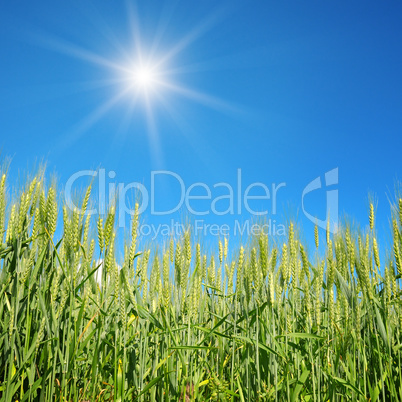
x,y
283,90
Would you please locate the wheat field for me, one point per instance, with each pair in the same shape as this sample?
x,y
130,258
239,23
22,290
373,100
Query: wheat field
x,y
84,320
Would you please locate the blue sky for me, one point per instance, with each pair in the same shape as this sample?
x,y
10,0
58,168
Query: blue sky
x,y
285,91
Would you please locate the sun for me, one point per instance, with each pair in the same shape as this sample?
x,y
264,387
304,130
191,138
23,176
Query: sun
x,y
144,77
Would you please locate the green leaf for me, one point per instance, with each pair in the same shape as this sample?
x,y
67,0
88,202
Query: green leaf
x,y
151,384
299,385
347,384
381,327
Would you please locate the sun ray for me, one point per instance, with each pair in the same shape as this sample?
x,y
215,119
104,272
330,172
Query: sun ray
x,y
99,23
134,23
202,98
162,26
153,134
65,47
86,123
191,135
192,36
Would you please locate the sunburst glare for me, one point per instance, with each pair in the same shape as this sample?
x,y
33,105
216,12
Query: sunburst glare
x,y
143,79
